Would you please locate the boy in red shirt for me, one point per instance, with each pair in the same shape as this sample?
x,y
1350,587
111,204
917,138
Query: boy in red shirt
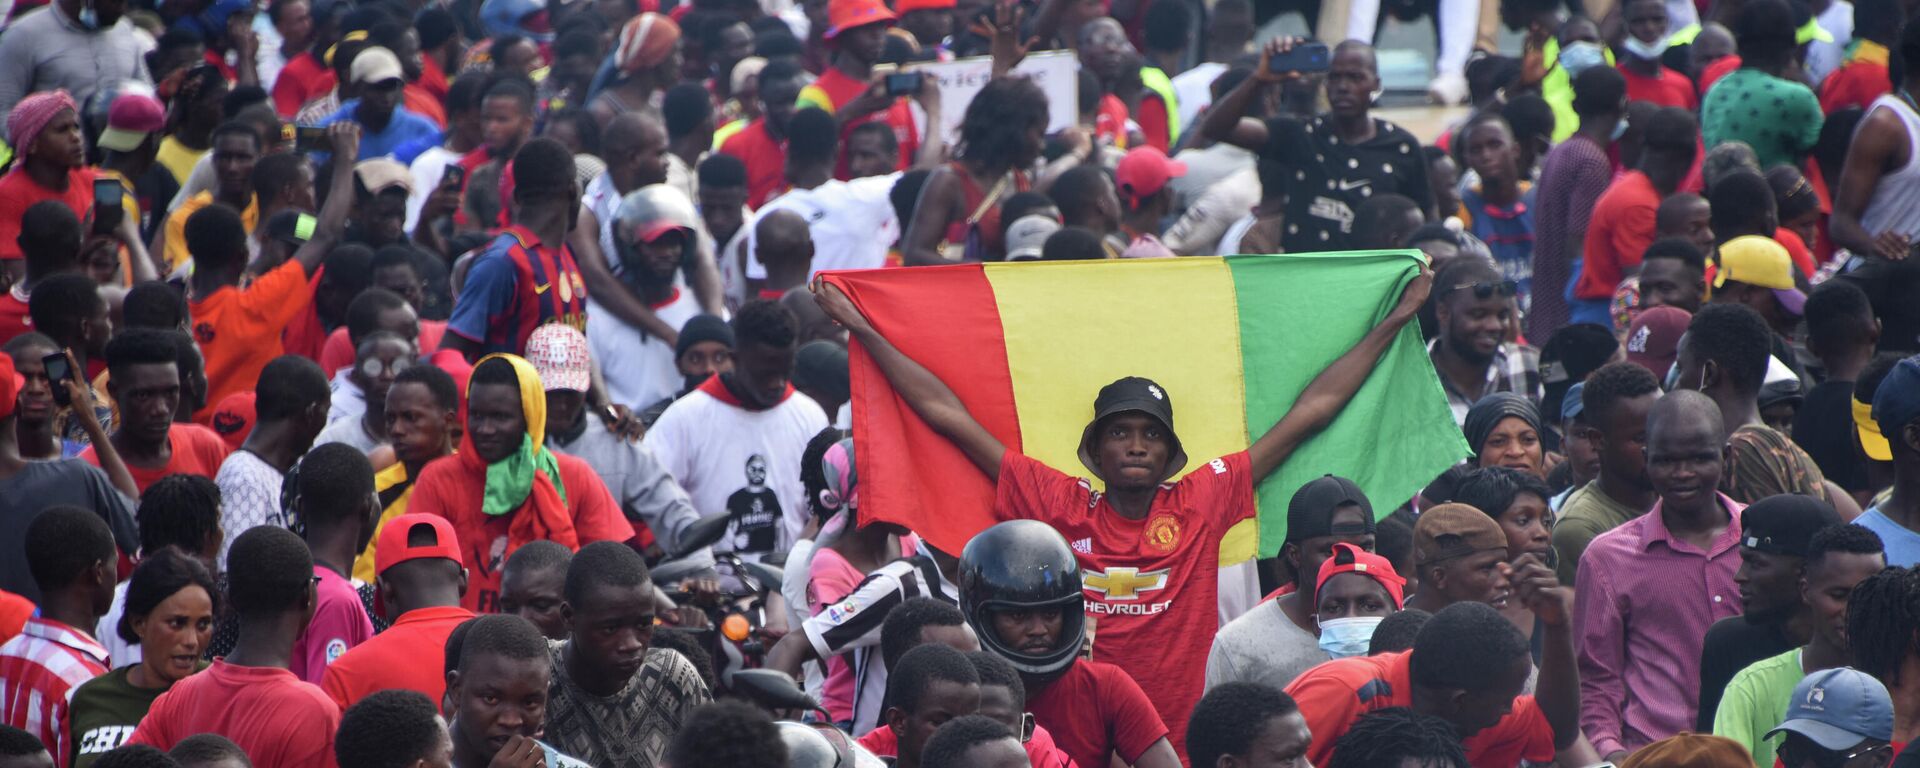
x,y
145,380
248,695
1150,547
762,145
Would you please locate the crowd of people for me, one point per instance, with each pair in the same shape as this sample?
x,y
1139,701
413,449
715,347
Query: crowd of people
x,y
405,383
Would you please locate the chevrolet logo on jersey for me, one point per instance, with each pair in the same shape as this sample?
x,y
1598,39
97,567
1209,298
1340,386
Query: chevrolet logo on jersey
x,y
1124,583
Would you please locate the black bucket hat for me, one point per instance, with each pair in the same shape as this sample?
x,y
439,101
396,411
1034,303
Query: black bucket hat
x,y
1133,394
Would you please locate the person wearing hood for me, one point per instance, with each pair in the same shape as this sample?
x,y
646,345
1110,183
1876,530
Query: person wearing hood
x,y
504,489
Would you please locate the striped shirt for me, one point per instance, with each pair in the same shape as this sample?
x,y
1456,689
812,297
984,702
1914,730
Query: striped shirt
x,y
39,671
852,625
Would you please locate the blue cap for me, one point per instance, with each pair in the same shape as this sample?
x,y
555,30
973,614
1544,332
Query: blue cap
x,y
1570,405
1897,402
1838,708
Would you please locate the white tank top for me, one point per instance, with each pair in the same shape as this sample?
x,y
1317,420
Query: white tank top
x,y
1895,205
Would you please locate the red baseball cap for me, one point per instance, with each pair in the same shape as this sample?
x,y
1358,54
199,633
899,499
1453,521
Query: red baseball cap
x,y
11,382
233,418
843,15
905,6
1653,340
1145,171
1348,558
394,550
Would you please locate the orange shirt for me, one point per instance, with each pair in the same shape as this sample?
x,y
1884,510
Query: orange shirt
x,y
239,328
1335,694
197,450
411,654
18,192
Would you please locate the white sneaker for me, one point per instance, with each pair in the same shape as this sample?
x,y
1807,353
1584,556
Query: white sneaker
x,y
1449,89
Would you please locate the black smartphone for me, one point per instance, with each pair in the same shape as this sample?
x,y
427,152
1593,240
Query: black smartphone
x,y
58,372
454,176
107,210
1305,57
306,138
904,83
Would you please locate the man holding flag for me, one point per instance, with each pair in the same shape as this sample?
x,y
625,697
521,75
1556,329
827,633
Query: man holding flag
x,y
1150,547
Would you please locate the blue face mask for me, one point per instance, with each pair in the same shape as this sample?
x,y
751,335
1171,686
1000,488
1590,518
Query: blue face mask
x,y
1619,130
89,17
1578,57
1344,638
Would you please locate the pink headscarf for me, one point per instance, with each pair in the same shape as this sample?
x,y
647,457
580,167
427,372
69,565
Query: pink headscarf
x,y
31,115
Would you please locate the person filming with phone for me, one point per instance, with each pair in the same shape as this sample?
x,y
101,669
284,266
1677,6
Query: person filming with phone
x,y
1335,161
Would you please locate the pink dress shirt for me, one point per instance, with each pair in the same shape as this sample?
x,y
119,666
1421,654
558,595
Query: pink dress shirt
x,y
1643,604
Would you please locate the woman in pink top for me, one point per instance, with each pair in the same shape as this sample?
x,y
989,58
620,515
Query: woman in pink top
x,y
848,553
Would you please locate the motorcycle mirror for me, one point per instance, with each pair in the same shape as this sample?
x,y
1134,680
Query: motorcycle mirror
x,y
771,689
703,533
769,576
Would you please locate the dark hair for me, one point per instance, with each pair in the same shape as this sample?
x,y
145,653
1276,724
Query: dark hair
x,y
1492,489
18,743
900,632
388,729
775,45
1020,204
269,571
1764,32
498,50
1373,220
1868,384
1465,646
948,747
577,40
202,748
997,671
1741,204
446,394
604,563
1073,244
335,481
178,510
1679,250
62,542
59,304
160,574
1611,384
235,127
727,732
49,238
1078,190
1598,90
1737,338
722,170
585,128
436,26
542,167
1462,272
275,172
1838,316
494,371
777,70
684,108
1168,24
1844,539
1672,130
1230,717
688,645
812,137
920,668
1395,736
1395,633
153,304
1791,192
135,756
287,387
764,322
813,477
363,313
905,195
504,635
1529,116
1393,540
216,237
993,133
30,343
390,256
880,129
1881,621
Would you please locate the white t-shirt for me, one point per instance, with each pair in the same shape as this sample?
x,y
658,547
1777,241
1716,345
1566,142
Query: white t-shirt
x,y
349,402
639,366
852,224
426,171
730,459
1194,89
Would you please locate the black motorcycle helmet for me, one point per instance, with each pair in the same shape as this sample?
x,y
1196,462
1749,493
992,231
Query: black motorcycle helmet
x,y
1023,564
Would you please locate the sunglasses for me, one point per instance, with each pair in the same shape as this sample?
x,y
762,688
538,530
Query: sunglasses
x,y
1504,288
1797,754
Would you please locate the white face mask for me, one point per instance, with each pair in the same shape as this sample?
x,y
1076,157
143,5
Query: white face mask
x,y
1578,57
1348,637
1647,51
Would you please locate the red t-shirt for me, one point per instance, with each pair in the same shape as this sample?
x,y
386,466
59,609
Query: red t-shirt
x,y
1110,121
1618,234
1153,122
765,158
448,487
1335,694
1095,711
13,317
196,451
1855,84
1796,249
306,334
1149,584
303,79
411,655
1668,89
338,352
239,328
18,192
278,720
1041,751
1716,70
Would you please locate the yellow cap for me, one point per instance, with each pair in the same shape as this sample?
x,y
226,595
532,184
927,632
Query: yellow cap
x,y
1874,443
1755,260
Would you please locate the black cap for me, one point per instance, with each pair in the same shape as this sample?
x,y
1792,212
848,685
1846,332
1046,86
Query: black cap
x,y
1785,524
1133,394
701,328
1310,513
